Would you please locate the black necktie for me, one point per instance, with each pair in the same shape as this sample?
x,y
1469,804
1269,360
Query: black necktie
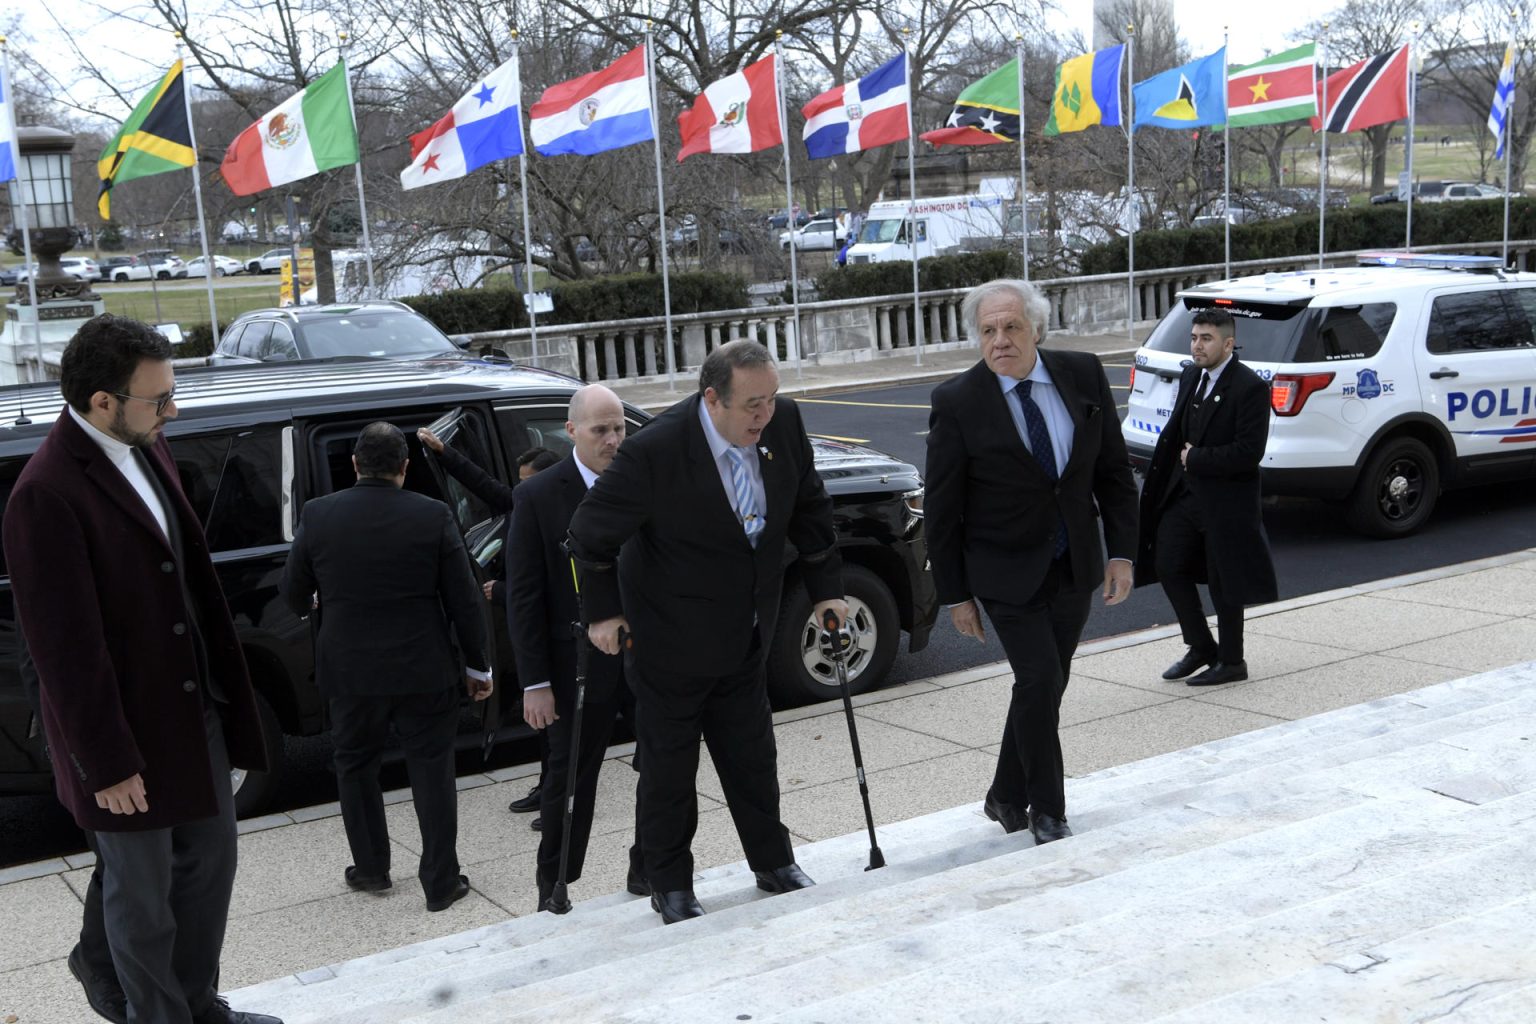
x,y
1205,386
1041,448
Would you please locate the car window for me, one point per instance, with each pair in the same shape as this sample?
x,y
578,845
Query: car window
x,y
234,483
372,334
1479,321
1266,332
280,344
10,471
254,339
533,427
1345,332
229,344
1522,303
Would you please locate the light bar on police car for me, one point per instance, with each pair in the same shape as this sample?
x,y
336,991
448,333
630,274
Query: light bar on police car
x,y
1429,261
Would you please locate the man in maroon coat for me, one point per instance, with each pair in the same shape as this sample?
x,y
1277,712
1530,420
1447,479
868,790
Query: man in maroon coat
x,y
145,696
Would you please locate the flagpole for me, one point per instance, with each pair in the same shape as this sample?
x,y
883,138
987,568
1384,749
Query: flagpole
x,y
917,301
1226,161
522,174
197,195
1509,126
362,206
1413,90
20,206
789,205
661,208
1023,166
1322,162
1130,170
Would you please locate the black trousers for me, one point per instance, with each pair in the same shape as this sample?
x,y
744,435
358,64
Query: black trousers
x,y
93,926
597,720
165,902
1182,551
1039,637
425,724
732,716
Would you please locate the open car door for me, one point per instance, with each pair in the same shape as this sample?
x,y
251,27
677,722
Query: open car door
x,y
482,529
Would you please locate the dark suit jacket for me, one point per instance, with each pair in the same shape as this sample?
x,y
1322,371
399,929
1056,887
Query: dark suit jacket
x,y
991,511
689,581
105,619
388,564
541,592
1222,472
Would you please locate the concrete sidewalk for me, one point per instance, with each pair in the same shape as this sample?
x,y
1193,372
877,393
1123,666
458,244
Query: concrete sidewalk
x,y
928,745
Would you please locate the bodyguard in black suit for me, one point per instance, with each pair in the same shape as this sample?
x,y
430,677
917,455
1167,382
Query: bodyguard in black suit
x,y
1025,460
541,610
1201,517
386,564
702,502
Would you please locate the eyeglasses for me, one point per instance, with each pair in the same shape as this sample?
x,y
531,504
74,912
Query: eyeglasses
x,y
159,403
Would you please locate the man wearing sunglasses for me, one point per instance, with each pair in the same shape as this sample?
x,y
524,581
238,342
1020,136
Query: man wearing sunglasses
x,y
145,696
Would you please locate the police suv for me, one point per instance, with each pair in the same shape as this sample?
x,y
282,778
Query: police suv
x,y
1389,381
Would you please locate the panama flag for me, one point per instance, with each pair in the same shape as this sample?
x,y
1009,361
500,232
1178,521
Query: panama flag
x,y
603,110
1503,99
482,127
860,115
311,132
7,134
738,114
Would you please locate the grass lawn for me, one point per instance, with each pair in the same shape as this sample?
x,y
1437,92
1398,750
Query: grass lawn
x,y
188,306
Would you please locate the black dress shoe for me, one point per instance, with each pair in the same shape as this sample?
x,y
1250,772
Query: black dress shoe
x,y
522,805
785,879
1011,817
221,1013
537,824
102,991
1047,828
460,890
366,883
636,884
1192,661
677,905
1219,673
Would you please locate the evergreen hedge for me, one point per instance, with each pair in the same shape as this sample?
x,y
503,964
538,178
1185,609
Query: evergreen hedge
x,y
934,273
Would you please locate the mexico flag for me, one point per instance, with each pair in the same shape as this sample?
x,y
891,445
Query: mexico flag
x,y
309,133
1274,90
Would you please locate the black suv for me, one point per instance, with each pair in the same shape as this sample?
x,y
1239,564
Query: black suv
x,y
253,443
384,329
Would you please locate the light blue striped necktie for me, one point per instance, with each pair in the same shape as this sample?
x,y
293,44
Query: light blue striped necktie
x,y
746,501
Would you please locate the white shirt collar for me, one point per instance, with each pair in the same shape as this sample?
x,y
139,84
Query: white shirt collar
x,y
718,445
1040,375
1216,370
587,476
115,450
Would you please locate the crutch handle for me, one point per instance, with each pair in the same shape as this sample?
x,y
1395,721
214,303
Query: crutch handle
x,y
626,639
829,621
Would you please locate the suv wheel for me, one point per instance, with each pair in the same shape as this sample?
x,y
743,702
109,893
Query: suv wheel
x,y
800,670
253,267
254,791
163,275
1397,490
120,278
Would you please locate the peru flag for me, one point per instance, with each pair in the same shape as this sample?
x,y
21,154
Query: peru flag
x,y
859,115
738,114
1363,95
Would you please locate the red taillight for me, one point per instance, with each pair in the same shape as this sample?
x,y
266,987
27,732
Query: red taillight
x,y
1288,392
1133,379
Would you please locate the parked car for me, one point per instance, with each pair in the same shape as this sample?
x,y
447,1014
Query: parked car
x,y
779,219
818,234
9,275
1423,192
383,329
81,268
143,267
1389,381
269,262
222,266
1462,191
254,443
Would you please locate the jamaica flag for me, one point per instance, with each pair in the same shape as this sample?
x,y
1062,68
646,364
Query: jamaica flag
x,y
156,138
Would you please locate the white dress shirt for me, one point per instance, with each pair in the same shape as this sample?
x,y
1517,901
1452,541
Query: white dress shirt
x,y
1057,420
718,446
121,456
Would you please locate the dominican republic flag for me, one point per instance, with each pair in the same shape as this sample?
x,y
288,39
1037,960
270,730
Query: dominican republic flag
x,y
1363,95
7,134
860,115
482,127
1503,99
603,110
738,114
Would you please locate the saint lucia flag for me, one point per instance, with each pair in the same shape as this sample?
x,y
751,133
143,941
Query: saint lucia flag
x,y
1186,97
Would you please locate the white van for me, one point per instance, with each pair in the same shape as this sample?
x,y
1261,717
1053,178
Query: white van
x,y
943,223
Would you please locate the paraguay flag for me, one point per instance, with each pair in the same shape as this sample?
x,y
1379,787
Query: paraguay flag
x,y
738,114
606,109
859,115
482,127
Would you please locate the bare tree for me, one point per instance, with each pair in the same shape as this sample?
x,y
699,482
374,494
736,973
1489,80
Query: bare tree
x,y
1469,41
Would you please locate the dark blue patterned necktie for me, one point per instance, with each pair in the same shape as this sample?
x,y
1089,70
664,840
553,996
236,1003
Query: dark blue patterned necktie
x,y
1040,446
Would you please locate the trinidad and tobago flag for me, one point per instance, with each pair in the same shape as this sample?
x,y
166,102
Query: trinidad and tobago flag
x,y
1372,92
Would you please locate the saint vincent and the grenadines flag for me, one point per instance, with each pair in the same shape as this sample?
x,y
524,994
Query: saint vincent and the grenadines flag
x,y
1188,96
155,139
1087,92
309,132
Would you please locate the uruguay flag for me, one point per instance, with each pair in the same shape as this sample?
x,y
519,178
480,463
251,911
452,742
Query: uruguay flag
x,y
860,115
482,127
607,109
1503,99
7,134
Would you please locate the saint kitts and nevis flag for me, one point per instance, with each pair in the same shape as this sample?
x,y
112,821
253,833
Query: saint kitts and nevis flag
x,y
738,114
1189,96
155,139
312,131
482,127
1087,92
985,114
606,109
860,115
1279,88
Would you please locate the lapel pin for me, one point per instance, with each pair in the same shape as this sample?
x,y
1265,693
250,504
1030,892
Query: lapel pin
x,y
763,449
1216,399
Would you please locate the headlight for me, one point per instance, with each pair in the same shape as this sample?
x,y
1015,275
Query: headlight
x,y
914,501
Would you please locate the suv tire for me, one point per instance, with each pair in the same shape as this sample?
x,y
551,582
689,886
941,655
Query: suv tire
x,y
799,672
120,278
1396,491
254,791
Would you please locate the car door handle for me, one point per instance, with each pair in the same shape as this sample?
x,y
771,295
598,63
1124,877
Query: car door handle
x,y
1443,373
